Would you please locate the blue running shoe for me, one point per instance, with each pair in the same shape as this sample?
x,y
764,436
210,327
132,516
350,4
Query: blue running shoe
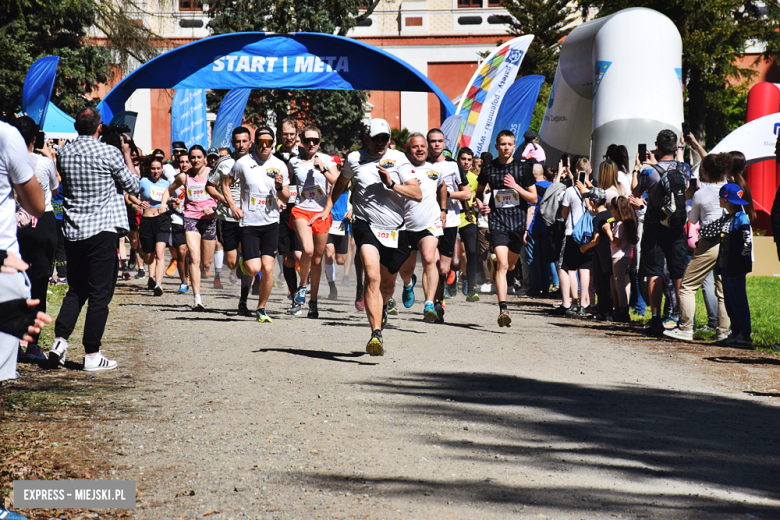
x,y
408,294
5,514
183,288
300,295
429,314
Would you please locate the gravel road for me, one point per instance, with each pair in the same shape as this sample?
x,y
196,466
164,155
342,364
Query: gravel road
x,y
554,418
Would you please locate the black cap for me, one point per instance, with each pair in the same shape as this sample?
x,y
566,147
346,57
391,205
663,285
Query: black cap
x,y
178,145
212,151
157,151
264,130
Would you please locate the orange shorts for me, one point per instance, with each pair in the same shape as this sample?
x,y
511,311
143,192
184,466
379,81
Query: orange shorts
x,y
319,227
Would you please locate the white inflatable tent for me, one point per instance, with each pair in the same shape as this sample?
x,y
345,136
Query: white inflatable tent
x,y
618,82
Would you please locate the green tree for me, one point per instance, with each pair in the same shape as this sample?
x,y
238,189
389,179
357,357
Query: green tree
x,y
336,113
714,34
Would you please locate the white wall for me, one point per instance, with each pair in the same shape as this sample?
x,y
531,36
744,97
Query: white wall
x,y
141,102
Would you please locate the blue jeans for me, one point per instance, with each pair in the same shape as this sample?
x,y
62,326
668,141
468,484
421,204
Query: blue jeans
x,y
737,307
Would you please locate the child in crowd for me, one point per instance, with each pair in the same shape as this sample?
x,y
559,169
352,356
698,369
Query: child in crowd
x,y
735,260
624,238
601,268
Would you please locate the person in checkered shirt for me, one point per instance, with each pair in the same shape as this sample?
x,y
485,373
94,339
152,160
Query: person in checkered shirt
x,y
94,176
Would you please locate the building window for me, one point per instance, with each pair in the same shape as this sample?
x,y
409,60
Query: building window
x,y
414,21
471,3
494,3
190,5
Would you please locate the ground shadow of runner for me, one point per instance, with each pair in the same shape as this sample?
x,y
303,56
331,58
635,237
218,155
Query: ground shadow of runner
x,y
320,354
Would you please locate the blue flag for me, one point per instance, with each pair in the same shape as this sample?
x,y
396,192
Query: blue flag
x,y
516,110
38,86
188,117
229,117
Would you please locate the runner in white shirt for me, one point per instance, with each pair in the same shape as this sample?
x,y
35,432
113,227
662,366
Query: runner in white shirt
x,y
264,179
458,192
424,226
384,180
313,173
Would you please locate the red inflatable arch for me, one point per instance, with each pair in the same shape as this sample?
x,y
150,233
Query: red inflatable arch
x,y
763,177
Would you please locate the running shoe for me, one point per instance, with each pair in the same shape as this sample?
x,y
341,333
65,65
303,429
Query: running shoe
x,y
334,293
313,311
98,362
375,345
391,308
655,327
183,288
447,294
452,283
359,303
151,284
384,317
574,310
243,310
262,317
670,323
473,297
681,335
295,309
218,283
198,304
58,352
486,288
407,296
126,275
204,273
560,311
429,314
171,269
345,281
233,278
439,307
140,274
33,354
158,291
739,341
300,295
584,311
5,514
465,288
504,319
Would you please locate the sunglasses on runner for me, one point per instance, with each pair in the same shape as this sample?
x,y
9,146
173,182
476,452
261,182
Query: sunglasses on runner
x,y
268,143
311,140
381,138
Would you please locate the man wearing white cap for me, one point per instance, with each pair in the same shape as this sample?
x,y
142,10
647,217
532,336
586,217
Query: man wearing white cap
x,y
384,181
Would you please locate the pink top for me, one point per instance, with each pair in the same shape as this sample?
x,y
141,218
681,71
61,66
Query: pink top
x,y
534,150
196,198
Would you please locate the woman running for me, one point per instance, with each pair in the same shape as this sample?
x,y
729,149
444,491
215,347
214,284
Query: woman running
x,y
313,171
178,242
155,227
200,226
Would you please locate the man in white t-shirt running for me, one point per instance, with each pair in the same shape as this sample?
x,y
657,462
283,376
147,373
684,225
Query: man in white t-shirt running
x,y
384,181
263,178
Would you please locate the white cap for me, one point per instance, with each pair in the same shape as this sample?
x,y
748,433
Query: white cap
x,y
377,127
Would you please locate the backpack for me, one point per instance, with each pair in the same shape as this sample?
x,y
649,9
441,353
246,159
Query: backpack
x,y
672,213
550,205
583,229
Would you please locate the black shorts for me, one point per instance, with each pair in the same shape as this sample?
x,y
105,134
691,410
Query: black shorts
x,y
153,230
228,234
341,243
288,238
257,241
134,217
572,258
391,258
447,242
511,239
414,237
177,235
660,242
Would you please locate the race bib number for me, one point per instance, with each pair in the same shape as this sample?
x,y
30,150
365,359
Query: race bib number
x,y
157,193
436,229
506,198
311,192
293,194
195,193
388,237
337,228
258,202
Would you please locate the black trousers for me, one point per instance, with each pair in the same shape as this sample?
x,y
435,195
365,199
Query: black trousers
x,y
92,268
60,258
468,237
37,245
601,281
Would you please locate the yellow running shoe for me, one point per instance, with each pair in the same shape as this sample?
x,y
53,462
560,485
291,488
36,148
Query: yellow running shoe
x,y
504,319
375,346
262,317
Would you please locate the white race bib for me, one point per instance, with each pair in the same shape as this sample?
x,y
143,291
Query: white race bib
x,y
311,192
258,202
195,193
436,229
157,193
388,237
293,194
506,198
337,229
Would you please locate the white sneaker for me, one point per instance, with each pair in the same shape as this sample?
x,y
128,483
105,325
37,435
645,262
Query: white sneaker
x,y
198,305
98,362
486,288
681,335
58,352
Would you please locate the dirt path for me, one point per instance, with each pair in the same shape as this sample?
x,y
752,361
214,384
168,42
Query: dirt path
x,y
555,418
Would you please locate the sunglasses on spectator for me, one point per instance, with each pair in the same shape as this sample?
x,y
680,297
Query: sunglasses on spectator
x,y
381,138
311,140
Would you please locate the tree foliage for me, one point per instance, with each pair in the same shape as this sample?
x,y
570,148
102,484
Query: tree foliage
x,y
336,113
714,34
31,29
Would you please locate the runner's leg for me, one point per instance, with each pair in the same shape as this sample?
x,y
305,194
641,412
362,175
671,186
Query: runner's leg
x,y
316,264
193,239
369,256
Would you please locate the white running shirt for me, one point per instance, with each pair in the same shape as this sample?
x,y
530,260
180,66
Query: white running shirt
x,y
450,175
426,213
312,184
373,201
258,189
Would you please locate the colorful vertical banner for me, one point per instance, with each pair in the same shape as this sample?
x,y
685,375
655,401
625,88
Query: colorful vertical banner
x,y
38,86
516,110
229,117
188,117
480,102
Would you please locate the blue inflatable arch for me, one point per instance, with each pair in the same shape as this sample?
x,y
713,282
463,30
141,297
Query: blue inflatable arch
x,y
307,61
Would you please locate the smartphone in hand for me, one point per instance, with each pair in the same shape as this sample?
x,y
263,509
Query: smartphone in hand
x,y
642,152
693,184
686,129
582,175
39,141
